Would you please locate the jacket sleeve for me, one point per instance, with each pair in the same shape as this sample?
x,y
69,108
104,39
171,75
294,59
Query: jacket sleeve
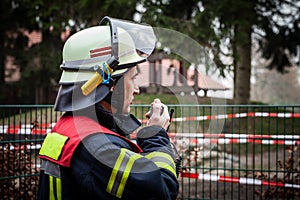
x,y
156,146
115,172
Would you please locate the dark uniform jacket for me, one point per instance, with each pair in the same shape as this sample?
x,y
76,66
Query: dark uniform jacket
x,y
83,160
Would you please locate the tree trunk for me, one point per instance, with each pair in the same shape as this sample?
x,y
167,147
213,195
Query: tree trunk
x,y
243,64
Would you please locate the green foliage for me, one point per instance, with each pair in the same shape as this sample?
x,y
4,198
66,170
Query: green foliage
x,y
280,22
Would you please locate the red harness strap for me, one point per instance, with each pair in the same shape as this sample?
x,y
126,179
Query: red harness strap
x,y
76,128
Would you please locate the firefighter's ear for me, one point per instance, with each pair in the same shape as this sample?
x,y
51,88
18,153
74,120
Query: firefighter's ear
x,y
112,89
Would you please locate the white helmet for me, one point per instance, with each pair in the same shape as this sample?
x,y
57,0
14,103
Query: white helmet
x,y
93,56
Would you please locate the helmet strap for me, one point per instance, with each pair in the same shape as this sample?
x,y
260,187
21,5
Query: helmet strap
x,y
102,75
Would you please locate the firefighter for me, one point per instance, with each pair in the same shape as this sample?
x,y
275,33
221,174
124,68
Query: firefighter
x,y
88,155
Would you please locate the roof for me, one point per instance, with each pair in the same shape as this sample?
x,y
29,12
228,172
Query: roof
x,y
166,73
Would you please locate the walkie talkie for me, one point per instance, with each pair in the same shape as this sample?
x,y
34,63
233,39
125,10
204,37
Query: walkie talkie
x,y
171,115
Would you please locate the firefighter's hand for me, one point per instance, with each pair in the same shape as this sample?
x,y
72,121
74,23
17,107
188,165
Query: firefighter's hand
x,y
158,115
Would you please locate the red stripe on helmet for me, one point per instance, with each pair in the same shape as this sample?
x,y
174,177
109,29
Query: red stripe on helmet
x,y
100,54
100,49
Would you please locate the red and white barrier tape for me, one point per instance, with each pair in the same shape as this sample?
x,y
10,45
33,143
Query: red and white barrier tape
x,y
242,141
26,129
195,138
44,128
206,138
248,181
232,136
236,115
23,147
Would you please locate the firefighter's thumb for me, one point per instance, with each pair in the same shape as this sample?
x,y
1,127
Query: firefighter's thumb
x,y
160,115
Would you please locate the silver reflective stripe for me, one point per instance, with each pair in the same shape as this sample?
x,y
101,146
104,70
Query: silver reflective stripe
x,y
50,168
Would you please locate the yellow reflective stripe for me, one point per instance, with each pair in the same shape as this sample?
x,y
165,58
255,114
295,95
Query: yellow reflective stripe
x,y
51,192
54,188
166,165
115,171
126,173
58,188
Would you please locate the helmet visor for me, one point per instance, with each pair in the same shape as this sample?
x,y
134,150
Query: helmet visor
x,y
141,35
